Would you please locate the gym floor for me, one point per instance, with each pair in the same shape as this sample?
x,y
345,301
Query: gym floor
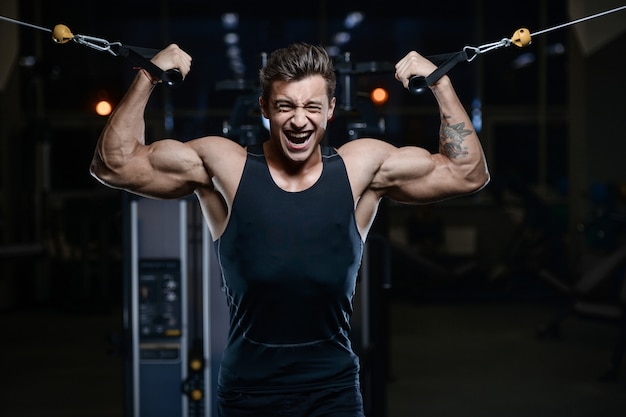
x,y
446,359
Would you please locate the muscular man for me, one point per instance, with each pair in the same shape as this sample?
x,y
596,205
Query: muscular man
x,y
289,219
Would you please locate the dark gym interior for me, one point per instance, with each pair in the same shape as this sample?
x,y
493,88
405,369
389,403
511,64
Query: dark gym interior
x,y
509,302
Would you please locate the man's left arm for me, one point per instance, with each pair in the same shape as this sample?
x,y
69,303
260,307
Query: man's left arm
x,y
413,175
458,141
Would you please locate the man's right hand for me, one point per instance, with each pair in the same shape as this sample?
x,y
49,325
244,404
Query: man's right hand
x,y
172,57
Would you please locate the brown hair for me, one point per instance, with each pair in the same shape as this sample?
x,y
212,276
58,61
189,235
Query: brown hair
x,y
295,62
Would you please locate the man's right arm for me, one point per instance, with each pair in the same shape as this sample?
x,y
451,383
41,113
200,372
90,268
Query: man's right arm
x,y
163,169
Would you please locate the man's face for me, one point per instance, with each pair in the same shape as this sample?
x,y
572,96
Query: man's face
x,y
298,112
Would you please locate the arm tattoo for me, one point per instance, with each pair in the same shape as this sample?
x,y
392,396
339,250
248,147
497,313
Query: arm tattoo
x,y
451,138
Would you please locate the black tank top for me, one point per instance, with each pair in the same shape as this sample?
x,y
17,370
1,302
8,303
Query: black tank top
x,y
289,262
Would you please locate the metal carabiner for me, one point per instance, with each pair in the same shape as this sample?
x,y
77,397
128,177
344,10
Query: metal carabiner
x,y
98,44
474,51
503,43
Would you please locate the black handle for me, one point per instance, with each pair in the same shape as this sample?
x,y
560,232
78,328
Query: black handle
x,y
171,77
417,84
141,57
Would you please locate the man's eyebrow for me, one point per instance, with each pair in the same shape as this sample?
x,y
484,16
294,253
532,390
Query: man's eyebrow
x,y
289,101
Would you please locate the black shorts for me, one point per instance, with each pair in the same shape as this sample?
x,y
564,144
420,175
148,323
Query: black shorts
x,y
332,402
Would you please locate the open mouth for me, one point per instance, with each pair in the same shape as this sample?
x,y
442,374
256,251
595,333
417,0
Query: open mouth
x,y
298,138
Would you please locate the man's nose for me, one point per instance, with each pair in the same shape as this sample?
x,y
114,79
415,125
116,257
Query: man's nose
x,y
299,116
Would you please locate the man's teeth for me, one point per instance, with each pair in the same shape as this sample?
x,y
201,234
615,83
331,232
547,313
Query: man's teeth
x,y
298,137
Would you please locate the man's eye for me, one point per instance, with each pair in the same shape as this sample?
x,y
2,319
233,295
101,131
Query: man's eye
x,y
285,108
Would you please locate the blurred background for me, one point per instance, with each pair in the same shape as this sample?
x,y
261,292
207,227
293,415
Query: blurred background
x,y
542,245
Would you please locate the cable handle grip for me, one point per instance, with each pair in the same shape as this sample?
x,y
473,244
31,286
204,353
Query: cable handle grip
x,y
417,84
141,57
172,77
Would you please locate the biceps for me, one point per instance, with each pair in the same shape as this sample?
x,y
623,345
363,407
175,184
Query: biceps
x,y
413,175
171,156
168,169
405,165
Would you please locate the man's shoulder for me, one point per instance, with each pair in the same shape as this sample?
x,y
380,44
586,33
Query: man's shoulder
x,y
363,149
217,146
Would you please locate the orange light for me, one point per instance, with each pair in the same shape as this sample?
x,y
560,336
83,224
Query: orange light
x,y
196,395
104,108
195,364
379,96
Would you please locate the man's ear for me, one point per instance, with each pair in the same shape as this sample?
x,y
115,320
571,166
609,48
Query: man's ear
x,y
263,106
331,108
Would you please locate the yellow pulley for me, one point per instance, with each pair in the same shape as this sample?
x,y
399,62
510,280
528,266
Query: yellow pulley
x,y
62,34
521,38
